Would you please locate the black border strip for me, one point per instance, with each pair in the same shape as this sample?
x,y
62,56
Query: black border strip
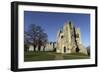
x,y
55,5
14,36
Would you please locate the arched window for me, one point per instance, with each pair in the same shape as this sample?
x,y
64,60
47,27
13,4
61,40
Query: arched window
x,y
50,43
62,37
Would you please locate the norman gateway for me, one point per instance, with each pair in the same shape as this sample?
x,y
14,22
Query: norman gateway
x,y
68,41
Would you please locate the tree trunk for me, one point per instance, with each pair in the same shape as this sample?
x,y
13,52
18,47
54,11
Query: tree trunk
x,y
34,47
39,48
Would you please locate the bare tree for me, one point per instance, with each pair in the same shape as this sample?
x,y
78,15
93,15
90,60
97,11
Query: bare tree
x,y
35,36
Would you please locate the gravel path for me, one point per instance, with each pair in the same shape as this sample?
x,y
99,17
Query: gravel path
x,y
59,57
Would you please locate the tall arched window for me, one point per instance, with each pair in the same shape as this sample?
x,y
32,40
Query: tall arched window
x,y
62,37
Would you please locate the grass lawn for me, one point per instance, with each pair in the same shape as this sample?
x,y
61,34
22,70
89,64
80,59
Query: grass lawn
x,y
44,56
75,56
38,56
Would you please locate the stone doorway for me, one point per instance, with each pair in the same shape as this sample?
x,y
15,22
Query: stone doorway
x,y
64,49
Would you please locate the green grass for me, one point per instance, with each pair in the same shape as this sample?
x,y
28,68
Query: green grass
x,y
38,56
80,54
44,56
76,56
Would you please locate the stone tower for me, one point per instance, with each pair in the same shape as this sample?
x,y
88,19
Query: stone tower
x,y
69,40
78,35
64,39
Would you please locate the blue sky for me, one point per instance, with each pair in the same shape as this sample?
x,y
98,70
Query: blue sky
x,y
51,22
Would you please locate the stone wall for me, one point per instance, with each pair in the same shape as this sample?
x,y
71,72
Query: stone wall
x,y
50,46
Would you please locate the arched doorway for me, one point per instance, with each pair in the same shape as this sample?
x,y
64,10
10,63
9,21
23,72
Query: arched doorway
x,y
64,49
77,49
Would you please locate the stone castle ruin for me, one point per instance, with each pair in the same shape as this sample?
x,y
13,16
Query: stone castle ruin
x,y
68,41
